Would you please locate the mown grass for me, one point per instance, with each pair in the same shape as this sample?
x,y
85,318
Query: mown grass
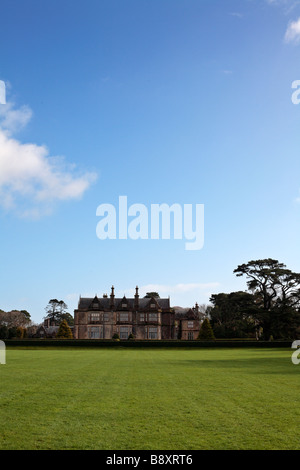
x,y
117,399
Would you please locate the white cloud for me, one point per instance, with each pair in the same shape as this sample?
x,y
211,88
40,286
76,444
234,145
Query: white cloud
x,y
13,120
292,34
31,181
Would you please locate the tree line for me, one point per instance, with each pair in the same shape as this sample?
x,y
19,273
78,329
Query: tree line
x,y
14,324
268,309
18,324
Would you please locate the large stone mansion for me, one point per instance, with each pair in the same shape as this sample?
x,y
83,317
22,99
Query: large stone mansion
x,y
148,318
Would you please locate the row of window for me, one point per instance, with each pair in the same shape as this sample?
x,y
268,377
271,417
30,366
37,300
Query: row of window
x,y
96,332
97,306
122,317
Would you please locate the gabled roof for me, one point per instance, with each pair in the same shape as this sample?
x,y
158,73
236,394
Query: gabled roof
x,y
185,313
151,301
120,302
190,315
94,301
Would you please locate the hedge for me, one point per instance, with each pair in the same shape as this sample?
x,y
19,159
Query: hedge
x,y
147,344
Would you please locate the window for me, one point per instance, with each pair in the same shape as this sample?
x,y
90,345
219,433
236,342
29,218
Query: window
x,y
123,317
95,305
152,316
190,335
94,317
106,317
124,305
124,332
142,317
152,305
152,333
95,332
190,324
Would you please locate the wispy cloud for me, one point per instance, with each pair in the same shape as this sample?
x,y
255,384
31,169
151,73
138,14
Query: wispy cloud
x,y
287,5
292,34
31,181
236,14
166,289
276,2
183,294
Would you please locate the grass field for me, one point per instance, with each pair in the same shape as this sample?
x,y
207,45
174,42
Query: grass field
x,y
136,399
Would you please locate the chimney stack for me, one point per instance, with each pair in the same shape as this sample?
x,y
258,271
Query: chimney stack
x,y
136,298
112,297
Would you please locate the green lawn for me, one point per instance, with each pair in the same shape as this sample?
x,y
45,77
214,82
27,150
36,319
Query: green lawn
x,y
117,399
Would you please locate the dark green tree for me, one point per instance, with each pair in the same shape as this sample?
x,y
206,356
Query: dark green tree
x,y
26,314
3,332
277,296
232,314
56,310
12,332
68,317
206,331
149,295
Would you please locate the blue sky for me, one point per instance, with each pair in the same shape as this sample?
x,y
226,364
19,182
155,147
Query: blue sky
x,y
166,101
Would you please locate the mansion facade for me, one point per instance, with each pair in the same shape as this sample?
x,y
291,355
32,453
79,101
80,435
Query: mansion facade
x,y
148,318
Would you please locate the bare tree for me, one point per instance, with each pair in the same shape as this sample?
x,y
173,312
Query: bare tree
x,y
15,318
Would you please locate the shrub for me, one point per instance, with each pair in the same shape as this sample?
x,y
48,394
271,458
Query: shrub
x,y
12,332
3,332
20,332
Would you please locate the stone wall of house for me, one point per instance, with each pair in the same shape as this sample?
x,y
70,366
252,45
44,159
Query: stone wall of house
x,y
146,319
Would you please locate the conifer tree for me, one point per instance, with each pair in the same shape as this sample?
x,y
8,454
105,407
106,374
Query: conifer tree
x,y
206,331
64,330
